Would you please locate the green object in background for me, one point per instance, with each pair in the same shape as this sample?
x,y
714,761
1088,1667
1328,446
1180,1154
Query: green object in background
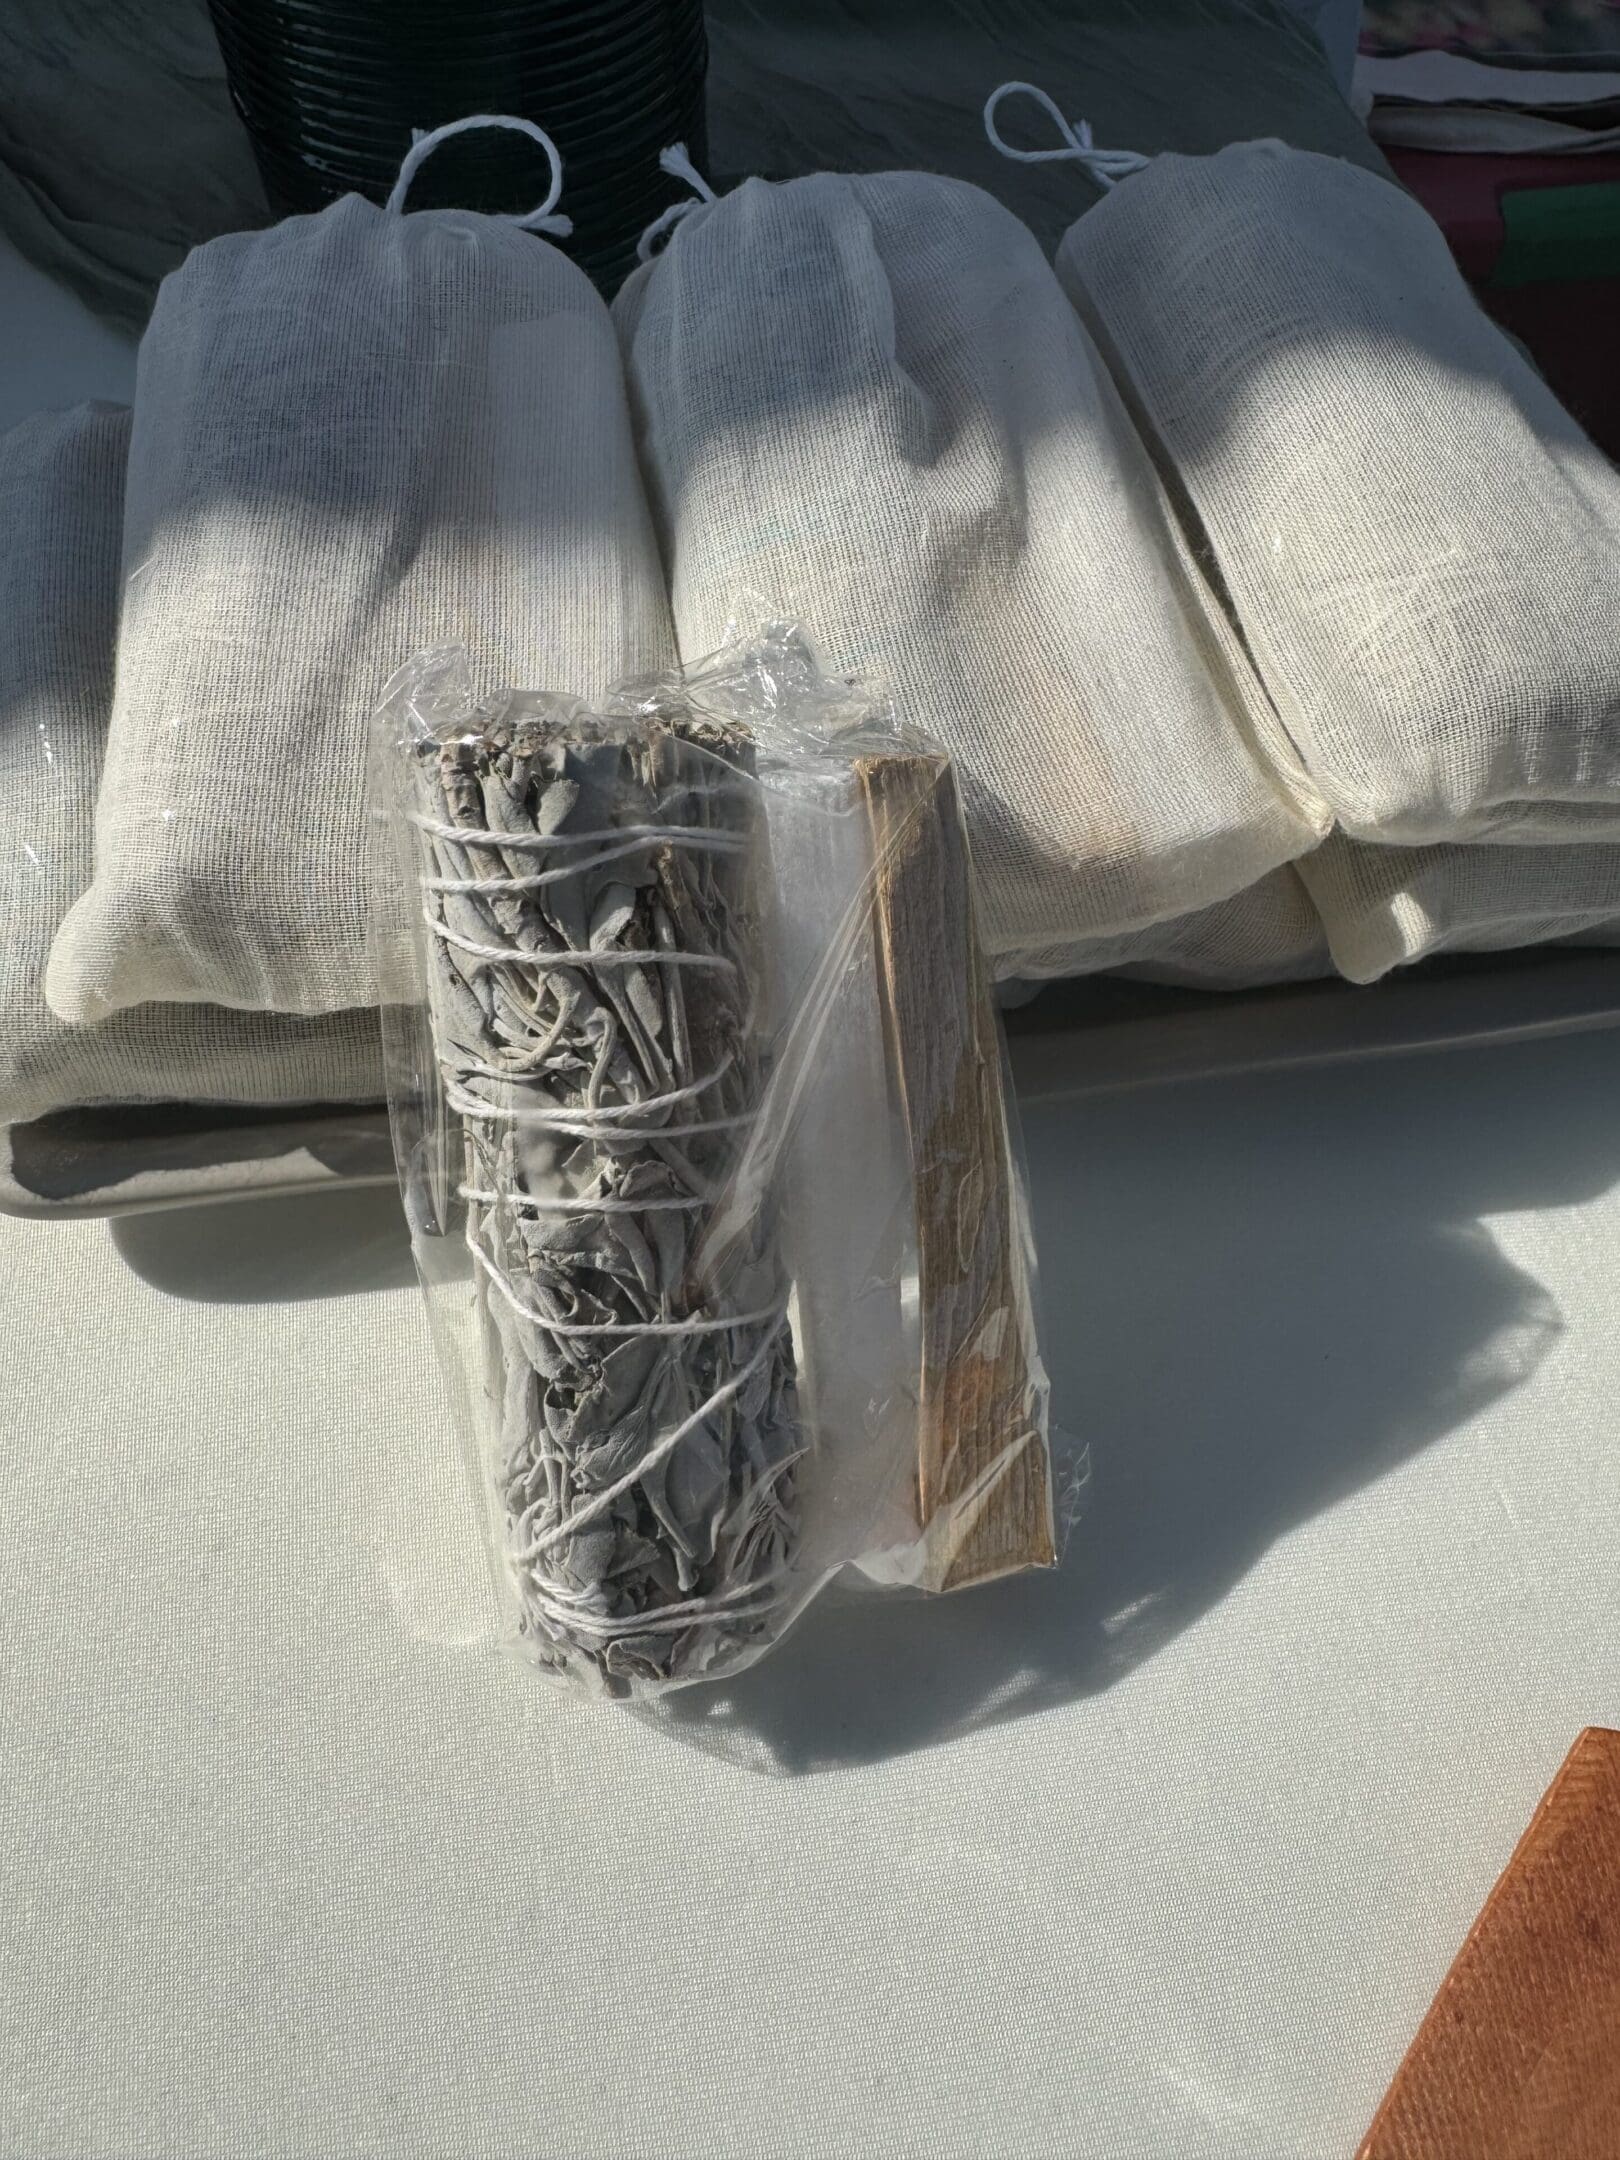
x,y
1559,235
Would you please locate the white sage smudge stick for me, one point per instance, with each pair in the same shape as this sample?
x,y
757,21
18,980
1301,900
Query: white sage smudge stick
x,y
594,930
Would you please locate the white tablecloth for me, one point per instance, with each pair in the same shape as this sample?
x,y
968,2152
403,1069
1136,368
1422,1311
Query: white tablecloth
x,y
1158,1859
295,1864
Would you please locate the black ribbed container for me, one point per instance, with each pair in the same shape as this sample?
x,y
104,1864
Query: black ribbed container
x,y
332,91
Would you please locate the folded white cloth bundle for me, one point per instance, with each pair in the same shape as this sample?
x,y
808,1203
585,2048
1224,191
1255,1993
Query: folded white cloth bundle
x,y
61,497
866,401
1268,933
1422,547
356,434
1382,907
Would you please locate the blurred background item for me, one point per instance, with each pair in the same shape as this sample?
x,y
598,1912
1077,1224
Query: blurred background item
x,y
1503,118
333,92
1541,33
119,148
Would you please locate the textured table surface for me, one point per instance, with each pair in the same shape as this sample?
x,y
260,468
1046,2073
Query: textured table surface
x,y
1158,1859
1163,1856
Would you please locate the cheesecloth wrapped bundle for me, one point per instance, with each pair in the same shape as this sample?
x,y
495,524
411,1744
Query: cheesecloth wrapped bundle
x,y
356,434
1268,933
866,400
1383,907
1422,547
61,499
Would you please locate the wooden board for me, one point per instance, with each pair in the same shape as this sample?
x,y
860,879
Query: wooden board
x,y
1519,2055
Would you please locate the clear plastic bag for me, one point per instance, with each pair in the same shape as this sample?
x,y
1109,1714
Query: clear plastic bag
x,y
698,1103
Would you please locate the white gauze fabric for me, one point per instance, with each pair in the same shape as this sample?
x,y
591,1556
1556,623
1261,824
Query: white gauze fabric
x,y
1422,546
1383,907
356,434
867,402
61,503
1268,933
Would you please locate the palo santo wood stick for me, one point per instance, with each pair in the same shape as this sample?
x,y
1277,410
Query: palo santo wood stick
x,y
984,1484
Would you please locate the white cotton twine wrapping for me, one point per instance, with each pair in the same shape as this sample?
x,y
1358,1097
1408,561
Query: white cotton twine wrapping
x,y
1422,547
867,400
356,435
61,504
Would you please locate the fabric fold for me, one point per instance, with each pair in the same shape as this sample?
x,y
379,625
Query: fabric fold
x,y
1385,907
865,403
1421,545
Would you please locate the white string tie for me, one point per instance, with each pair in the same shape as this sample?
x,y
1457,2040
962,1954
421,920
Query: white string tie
x,y
752,1598
600,1502
679,166
719,843
528,1204
519,842
1105,166
543,219
713,1324
596,1116
586,956
598,1124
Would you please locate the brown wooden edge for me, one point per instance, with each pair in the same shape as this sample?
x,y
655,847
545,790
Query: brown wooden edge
x,y
1519,2055
983,1472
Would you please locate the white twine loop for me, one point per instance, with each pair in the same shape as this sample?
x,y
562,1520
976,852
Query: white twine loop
x,y
679,166
1105,166
528,1204
541,220
476,1069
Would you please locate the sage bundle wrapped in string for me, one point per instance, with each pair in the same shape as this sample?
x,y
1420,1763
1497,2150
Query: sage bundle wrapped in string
x,y
595,941
697,1103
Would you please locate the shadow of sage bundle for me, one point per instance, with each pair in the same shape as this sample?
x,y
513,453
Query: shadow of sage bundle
x,y
697,1097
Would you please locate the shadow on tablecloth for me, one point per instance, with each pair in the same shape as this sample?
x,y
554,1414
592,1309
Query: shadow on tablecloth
x,y
119,149
1259,1296
282,1249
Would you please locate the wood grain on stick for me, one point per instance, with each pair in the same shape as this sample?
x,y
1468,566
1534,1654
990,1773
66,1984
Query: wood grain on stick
x,y
984,1486
1519,2055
